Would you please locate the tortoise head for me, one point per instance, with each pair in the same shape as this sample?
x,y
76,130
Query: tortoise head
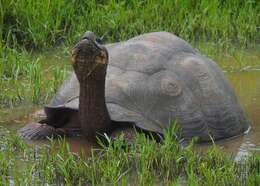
x,y
89,57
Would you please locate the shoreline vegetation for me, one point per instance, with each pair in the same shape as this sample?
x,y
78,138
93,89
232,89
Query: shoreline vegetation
x,y
145,162
226,31
37,24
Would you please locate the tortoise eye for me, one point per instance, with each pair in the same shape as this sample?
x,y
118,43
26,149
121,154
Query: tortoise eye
x,y
99,41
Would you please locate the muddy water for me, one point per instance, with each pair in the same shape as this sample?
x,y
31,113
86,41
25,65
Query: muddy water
x,y
245,84
14,119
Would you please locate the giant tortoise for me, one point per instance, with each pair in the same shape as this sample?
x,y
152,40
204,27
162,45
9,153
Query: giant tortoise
x,y
147,82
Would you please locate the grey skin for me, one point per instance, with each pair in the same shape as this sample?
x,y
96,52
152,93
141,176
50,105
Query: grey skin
x,y
152,80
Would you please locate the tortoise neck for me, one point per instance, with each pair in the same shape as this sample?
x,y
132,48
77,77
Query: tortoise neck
x,y
93,113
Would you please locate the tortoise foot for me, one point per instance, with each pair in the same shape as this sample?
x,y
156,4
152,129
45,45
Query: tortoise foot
x,y
128,134
37,131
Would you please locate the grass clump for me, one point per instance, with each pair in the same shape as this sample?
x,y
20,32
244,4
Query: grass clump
x,y
45,23
26,79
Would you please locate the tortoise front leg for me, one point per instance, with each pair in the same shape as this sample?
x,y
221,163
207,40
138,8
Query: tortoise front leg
x,y
37,131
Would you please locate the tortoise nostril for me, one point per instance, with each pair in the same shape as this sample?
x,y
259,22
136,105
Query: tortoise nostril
x,y
84,38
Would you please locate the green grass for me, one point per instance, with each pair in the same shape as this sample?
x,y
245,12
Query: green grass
x,y
143,163
29,79
44,23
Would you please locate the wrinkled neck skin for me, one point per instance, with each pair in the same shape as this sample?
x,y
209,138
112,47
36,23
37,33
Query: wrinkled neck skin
x,y
93,113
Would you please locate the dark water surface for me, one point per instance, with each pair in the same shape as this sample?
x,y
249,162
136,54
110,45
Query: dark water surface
x,y
246,85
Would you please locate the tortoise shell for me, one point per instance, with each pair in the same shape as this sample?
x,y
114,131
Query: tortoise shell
x,y
156,78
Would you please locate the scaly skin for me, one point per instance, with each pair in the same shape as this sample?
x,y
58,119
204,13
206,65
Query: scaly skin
x,y
90,60
37,131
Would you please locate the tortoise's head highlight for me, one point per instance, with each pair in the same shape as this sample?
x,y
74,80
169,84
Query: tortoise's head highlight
x,y
89,56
